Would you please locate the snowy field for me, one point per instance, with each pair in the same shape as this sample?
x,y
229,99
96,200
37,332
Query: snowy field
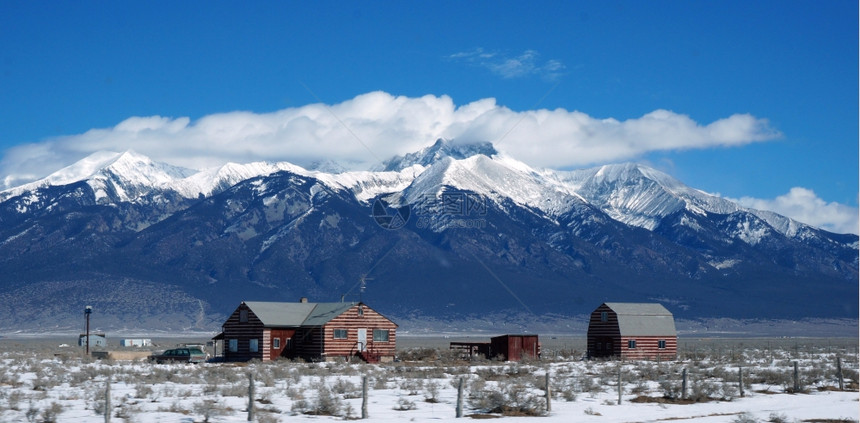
x,y
37,385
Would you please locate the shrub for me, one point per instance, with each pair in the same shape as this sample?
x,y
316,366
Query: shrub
x,y
412,386
703,390
326,403
404,404
745,418
142,390
209,408
431,392
508,399
346,388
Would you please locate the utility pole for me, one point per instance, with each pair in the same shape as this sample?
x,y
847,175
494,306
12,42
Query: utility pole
x,y
87,311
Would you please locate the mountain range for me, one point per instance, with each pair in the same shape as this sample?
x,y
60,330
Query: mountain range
x,y
451,233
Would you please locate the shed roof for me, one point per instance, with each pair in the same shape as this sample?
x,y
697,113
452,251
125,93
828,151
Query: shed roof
x,y
643,319
296,314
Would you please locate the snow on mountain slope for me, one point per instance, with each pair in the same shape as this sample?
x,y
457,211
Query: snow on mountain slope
x,y
629,193
366,185
123,175
440,149
497,178
641,196
213,180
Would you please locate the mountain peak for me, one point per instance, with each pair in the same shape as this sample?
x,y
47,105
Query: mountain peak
x,y
439,150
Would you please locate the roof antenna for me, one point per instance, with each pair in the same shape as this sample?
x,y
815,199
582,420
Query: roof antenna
x,y
363,279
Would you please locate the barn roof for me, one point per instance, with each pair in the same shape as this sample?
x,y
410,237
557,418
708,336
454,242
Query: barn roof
x,y
296,314
643,319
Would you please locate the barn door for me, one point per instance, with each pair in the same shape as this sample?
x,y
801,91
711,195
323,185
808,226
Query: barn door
x,y
362,339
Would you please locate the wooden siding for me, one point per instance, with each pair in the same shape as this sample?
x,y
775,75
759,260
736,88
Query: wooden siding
x,y
285,337
515,347
603,337
352,321
243,332
606,340
647,348
310,343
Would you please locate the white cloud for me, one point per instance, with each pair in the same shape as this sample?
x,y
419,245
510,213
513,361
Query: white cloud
x,y
525,64
372,127
803,205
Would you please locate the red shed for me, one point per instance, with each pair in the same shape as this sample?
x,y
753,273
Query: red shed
x,y
312,331
508,347
515,347
632,330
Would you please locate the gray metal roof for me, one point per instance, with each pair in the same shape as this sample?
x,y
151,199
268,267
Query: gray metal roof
x,y
323,312
296,314
643,319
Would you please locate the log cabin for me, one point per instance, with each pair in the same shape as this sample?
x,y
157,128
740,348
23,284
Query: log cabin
x,y
310,331
632,331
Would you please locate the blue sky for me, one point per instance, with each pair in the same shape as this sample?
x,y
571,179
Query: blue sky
x,y
755,101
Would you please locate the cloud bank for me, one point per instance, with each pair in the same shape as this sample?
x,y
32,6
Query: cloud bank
x,y
362,132
803,205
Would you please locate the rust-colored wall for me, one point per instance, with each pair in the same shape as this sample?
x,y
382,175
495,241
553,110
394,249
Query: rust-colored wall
x,y
606,340
352,321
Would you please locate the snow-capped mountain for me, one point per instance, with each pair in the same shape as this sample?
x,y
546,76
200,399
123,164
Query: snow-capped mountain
x,y
121,177
478,232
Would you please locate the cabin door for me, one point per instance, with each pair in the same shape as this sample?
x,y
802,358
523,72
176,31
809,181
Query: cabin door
x,y
362,339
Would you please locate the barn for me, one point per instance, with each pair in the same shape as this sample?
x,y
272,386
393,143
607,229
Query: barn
x,y
632,331
311,331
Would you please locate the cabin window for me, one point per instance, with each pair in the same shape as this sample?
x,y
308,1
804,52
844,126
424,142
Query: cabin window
x,y
233,345
661,344
631,344
243,316
340,334
380,335
276,342
360,310
604,316
253,345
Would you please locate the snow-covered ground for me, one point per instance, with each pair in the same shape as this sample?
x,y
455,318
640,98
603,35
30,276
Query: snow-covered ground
x,y
38,386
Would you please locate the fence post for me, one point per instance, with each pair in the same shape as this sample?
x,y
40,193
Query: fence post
x,y
684,383
107,400
364,397
250,397
620,388
839,374
796,379
548,394
460,398
741,380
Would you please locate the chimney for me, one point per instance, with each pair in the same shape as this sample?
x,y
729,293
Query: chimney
x,y
303,300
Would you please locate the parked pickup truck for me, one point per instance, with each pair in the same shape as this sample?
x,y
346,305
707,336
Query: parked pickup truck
x,y
180,355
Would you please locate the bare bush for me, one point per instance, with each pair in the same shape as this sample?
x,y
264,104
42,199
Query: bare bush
x,y
404,404
431,392
346,388
745,418
325,404
509,398
209,408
